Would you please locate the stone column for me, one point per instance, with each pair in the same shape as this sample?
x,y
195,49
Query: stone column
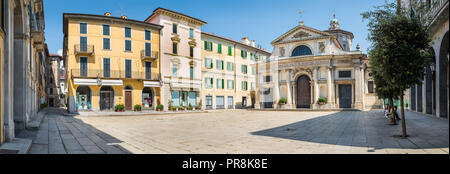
x,y
363,88
289,88
198,98
155,104
424,94
294,96
316,86
21,55
357,88
166,96
330,87
257,89
276,88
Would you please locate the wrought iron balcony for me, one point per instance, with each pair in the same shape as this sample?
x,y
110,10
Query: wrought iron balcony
x,y
115,74
82,49
149,55
434,8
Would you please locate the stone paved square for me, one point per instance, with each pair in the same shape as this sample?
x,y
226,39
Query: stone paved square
x,y
240,132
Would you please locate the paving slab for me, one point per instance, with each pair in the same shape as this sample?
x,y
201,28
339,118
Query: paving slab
x,y
241,131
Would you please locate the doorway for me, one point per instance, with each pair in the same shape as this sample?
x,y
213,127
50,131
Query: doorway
x,y
345,96
106,98
244,102
303,92
83,98
147,98
268,98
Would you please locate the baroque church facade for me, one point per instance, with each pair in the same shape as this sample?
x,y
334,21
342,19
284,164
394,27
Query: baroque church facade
x,y
315,69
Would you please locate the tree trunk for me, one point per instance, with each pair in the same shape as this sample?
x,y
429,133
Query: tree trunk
x,y
399,7
391,110
403,116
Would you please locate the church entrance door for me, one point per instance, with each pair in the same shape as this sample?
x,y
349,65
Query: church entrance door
x,y
303,92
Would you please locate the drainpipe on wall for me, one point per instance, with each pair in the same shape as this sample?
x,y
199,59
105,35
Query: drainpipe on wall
x,y
235,74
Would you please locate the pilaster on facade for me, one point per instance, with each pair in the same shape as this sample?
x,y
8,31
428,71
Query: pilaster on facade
x,y
290,102
330,82
276,88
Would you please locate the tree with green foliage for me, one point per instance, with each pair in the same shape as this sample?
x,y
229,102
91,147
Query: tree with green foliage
x,y
384,90
399,51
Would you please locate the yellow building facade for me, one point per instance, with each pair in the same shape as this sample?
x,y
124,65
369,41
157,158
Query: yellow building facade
x,y
111,61
227,72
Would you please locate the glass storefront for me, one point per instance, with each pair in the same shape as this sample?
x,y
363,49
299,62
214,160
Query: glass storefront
x,y
147,98
175,98
84,98
184,98
209,102
193,99
220,102
230,102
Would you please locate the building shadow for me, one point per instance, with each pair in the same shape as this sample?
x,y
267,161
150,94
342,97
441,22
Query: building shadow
x,y
365,129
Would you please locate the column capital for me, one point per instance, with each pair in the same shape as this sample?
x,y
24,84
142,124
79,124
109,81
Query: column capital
x,y
330,67
358,65
288,70
22,36
316,67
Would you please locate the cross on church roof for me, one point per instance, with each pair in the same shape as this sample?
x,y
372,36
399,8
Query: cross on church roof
x,y
301,17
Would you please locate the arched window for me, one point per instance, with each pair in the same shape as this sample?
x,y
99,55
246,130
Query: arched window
x,y
301,51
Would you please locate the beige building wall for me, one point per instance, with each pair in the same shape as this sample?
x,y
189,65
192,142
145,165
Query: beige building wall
x,y
237,85
176,65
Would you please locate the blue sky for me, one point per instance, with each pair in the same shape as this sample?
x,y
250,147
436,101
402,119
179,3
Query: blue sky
x,y
260,20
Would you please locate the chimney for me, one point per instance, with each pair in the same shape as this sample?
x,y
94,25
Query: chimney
x,y
245,41
124,17
253,43
107,14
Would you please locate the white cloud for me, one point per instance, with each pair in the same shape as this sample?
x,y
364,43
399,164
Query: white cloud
x,y
60,52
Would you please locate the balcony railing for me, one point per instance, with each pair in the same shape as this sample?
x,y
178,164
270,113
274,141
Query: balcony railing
x,y
115,74
436,6
152,55
82,49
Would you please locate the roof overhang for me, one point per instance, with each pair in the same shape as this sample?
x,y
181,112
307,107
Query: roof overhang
x,y
167,12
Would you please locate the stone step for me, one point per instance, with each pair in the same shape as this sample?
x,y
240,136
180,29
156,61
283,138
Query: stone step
x,y
36,122
16,146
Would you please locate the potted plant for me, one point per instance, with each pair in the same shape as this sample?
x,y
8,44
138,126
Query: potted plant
x,y
160,107
137,108
182,108
170,105
173,108
282,101
119,108
322,100
44,105
199,106
190,108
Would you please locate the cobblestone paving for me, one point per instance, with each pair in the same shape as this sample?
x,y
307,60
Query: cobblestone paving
x,y
241,132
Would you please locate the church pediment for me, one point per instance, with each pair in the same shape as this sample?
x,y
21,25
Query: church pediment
x,y
301,33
